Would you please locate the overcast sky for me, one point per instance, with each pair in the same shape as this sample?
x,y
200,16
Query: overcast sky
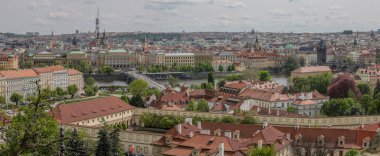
x,y
65,16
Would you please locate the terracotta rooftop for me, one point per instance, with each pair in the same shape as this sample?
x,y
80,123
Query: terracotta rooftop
x,y
265,95
236,85
73,72
48,69
312,69
84,110
15,74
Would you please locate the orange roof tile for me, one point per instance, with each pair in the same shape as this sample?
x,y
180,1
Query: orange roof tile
x,y
84,110
48,69
15,74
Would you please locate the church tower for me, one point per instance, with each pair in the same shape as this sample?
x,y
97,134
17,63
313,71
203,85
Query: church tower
x,y
321,55
97,25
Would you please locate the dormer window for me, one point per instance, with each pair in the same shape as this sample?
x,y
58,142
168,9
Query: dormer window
x,y
321,140
366,142
236,134
298,138
168,140
218,132
341,142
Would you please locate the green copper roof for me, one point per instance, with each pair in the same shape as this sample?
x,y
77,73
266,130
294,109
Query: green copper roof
x,y
76,52
118,51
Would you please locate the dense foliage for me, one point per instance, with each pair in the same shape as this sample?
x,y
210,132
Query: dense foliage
x,y
264,151
342,86
342,107
264,75
319,83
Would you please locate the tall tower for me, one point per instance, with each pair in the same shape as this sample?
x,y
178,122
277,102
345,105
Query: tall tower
x,y
321,55
97,25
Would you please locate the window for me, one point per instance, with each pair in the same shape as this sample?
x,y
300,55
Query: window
x,y
146,150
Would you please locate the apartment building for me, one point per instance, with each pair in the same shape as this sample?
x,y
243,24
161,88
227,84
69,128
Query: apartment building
x,y
24,81
95,112
19,81
119,59
170,59
8,61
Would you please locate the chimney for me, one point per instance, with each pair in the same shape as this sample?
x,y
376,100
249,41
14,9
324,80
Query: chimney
x,y
269,110
227,134
378,130
288,136
297,127
199,125
260,144
221,149
278,113
362,126
189,121
265,124
178,128
258,109
191,134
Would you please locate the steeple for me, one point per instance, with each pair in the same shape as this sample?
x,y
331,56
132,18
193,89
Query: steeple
x,y
52,33
97,24
104,34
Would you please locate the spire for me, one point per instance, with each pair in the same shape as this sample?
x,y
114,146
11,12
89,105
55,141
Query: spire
x,y
104,34
52,33
97,24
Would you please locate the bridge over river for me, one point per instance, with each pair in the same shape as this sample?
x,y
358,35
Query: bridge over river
x,y
152,83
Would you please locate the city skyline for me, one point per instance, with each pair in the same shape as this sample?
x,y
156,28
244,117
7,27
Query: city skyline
x,y
66,16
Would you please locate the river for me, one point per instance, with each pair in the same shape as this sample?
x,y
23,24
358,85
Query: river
x,y
280,78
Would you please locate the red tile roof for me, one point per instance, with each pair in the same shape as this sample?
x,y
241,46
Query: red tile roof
x,y
48,69
74,72
15,74
265,95
312,69
84,110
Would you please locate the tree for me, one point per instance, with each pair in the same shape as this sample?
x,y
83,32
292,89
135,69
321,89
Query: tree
x,y
104,146
374,144
341,85
248,120
250,74
210,77
75,145
342,107
264,151
16,98
90,81
202,106
115,148
290,65
137,87
352,152
221,69
377,88
89,91
228,119
137,101
364,88
72,90
291,109
221,83
191,106
60,92
367,103
2,100
319,83
174,82
124,98
32,131
264,75
301,61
